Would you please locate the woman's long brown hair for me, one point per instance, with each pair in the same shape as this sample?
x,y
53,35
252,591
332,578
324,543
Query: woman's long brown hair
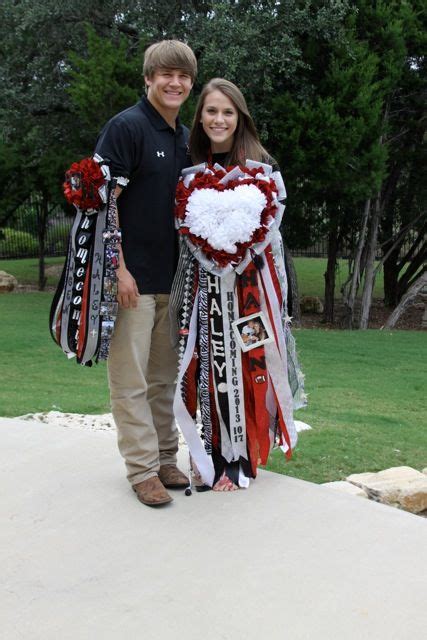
x,y
246,144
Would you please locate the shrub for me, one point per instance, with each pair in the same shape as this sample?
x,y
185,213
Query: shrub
x,y
57,239
14,243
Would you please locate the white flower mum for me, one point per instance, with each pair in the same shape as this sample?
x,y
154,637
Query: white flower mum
x,y
224,218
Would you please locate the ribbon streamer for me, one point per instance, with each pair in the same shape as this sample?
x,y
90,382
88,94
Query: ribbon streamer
x,y
234,354
84,307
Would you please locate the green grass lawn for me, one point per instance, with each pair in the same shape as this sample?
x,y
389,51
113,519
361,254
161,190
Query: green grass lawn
x,y
26,270
36,375
311,281
367,405
309,273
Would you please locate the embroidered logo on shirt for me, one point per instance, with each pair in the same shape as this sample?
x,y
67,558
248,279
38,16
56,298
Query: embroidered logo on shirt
x,y
160,154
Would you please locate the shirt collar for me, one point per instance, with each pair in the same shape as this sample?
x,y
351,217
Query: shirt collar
x,y
154,116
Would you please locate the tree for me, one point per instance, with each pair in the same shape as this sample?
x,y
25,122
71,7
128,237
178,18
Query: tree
x,y
329,143
319,79
36,113
397,30
102,82
12,191
221,39
407,300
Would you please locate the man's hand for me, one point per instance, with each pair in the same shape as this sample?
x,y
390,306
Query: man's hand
x,y
127,290
128,293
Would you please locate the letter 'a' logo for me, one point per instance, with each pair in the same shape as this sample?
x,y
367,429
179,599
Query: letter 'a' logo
x,y
160,154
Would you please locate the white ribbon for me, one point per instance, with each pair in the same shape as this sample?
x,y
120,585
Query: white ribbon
x,y
276,357
235,392
186,423
226,446
277,177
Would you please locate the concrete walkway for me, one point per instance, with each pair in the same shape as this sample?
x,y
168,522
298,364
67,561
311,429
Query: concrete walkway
x,y
81,559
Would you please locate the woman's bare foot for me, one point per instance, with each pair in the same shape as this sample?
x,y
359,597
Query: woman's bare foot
x,y
224,484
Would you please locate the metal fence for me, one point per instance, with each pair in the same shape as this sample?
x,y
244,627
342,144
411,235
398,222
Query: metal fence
x,y
18,239
319,250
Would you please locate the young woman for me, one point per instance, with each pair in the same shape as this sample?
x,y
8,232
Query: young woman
x,y
237,356
223,130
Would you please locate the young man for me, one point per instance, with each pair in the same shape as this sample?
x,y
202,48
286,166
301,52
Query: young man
x,y
146,147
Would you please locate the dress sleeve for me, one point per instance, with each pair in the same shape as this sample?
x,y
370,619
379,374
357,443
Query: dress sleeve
x,y
116,146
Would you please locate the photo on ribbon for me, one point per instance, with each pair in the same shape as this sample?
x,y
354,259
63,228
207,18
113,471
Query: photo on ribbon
x,y
252,331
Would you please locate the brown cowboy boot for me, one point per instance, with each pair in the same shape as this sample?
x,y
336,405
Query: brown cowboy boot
x,y
151,492
172,477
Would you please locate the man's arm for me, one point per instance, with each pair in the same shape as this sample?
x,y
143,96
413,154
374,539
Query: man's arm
x,y
127,293
115,145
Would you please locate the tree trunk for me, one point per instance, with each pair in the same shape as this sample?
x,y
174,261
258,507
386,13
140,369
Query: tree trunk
x,y
407,300
368,286
42,216
416,262
391,275
390,265
293,295
329,275
392,248
371,249
349,299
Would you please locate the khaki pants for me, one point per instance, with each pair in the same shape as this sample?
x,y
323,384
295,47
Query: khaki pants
x,y
142,368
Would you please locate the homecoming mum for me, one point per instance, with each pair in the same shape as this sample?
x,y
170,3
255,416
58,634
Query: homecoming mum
x,y
237,356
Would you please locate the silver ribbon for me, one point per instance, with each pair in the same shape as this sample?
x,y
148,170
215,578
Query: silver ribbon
x,y
93,319
68,289
276,357
233,363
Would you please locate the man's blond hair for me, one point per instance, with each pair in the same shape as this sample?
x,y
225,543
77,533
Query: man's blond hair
x,y
170,54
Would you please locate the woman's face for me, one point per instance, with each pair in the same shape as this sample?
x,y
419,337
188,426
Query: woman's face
x,y
219,120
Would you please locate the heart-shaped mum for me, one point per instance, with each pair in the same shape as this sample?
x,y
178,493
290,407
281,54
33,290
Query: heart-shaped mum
x,y
224,218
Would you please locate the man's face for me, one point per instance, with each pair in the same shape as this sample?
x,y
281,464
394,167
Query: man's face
x,y
168,88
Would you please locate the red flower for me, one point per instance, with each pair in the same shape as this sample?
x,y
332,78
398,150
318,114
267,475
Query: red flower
x,y
82,182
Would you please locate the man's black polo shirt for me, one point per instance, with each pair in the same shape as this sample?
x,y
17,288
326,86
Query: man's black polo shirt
x,y
141,146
